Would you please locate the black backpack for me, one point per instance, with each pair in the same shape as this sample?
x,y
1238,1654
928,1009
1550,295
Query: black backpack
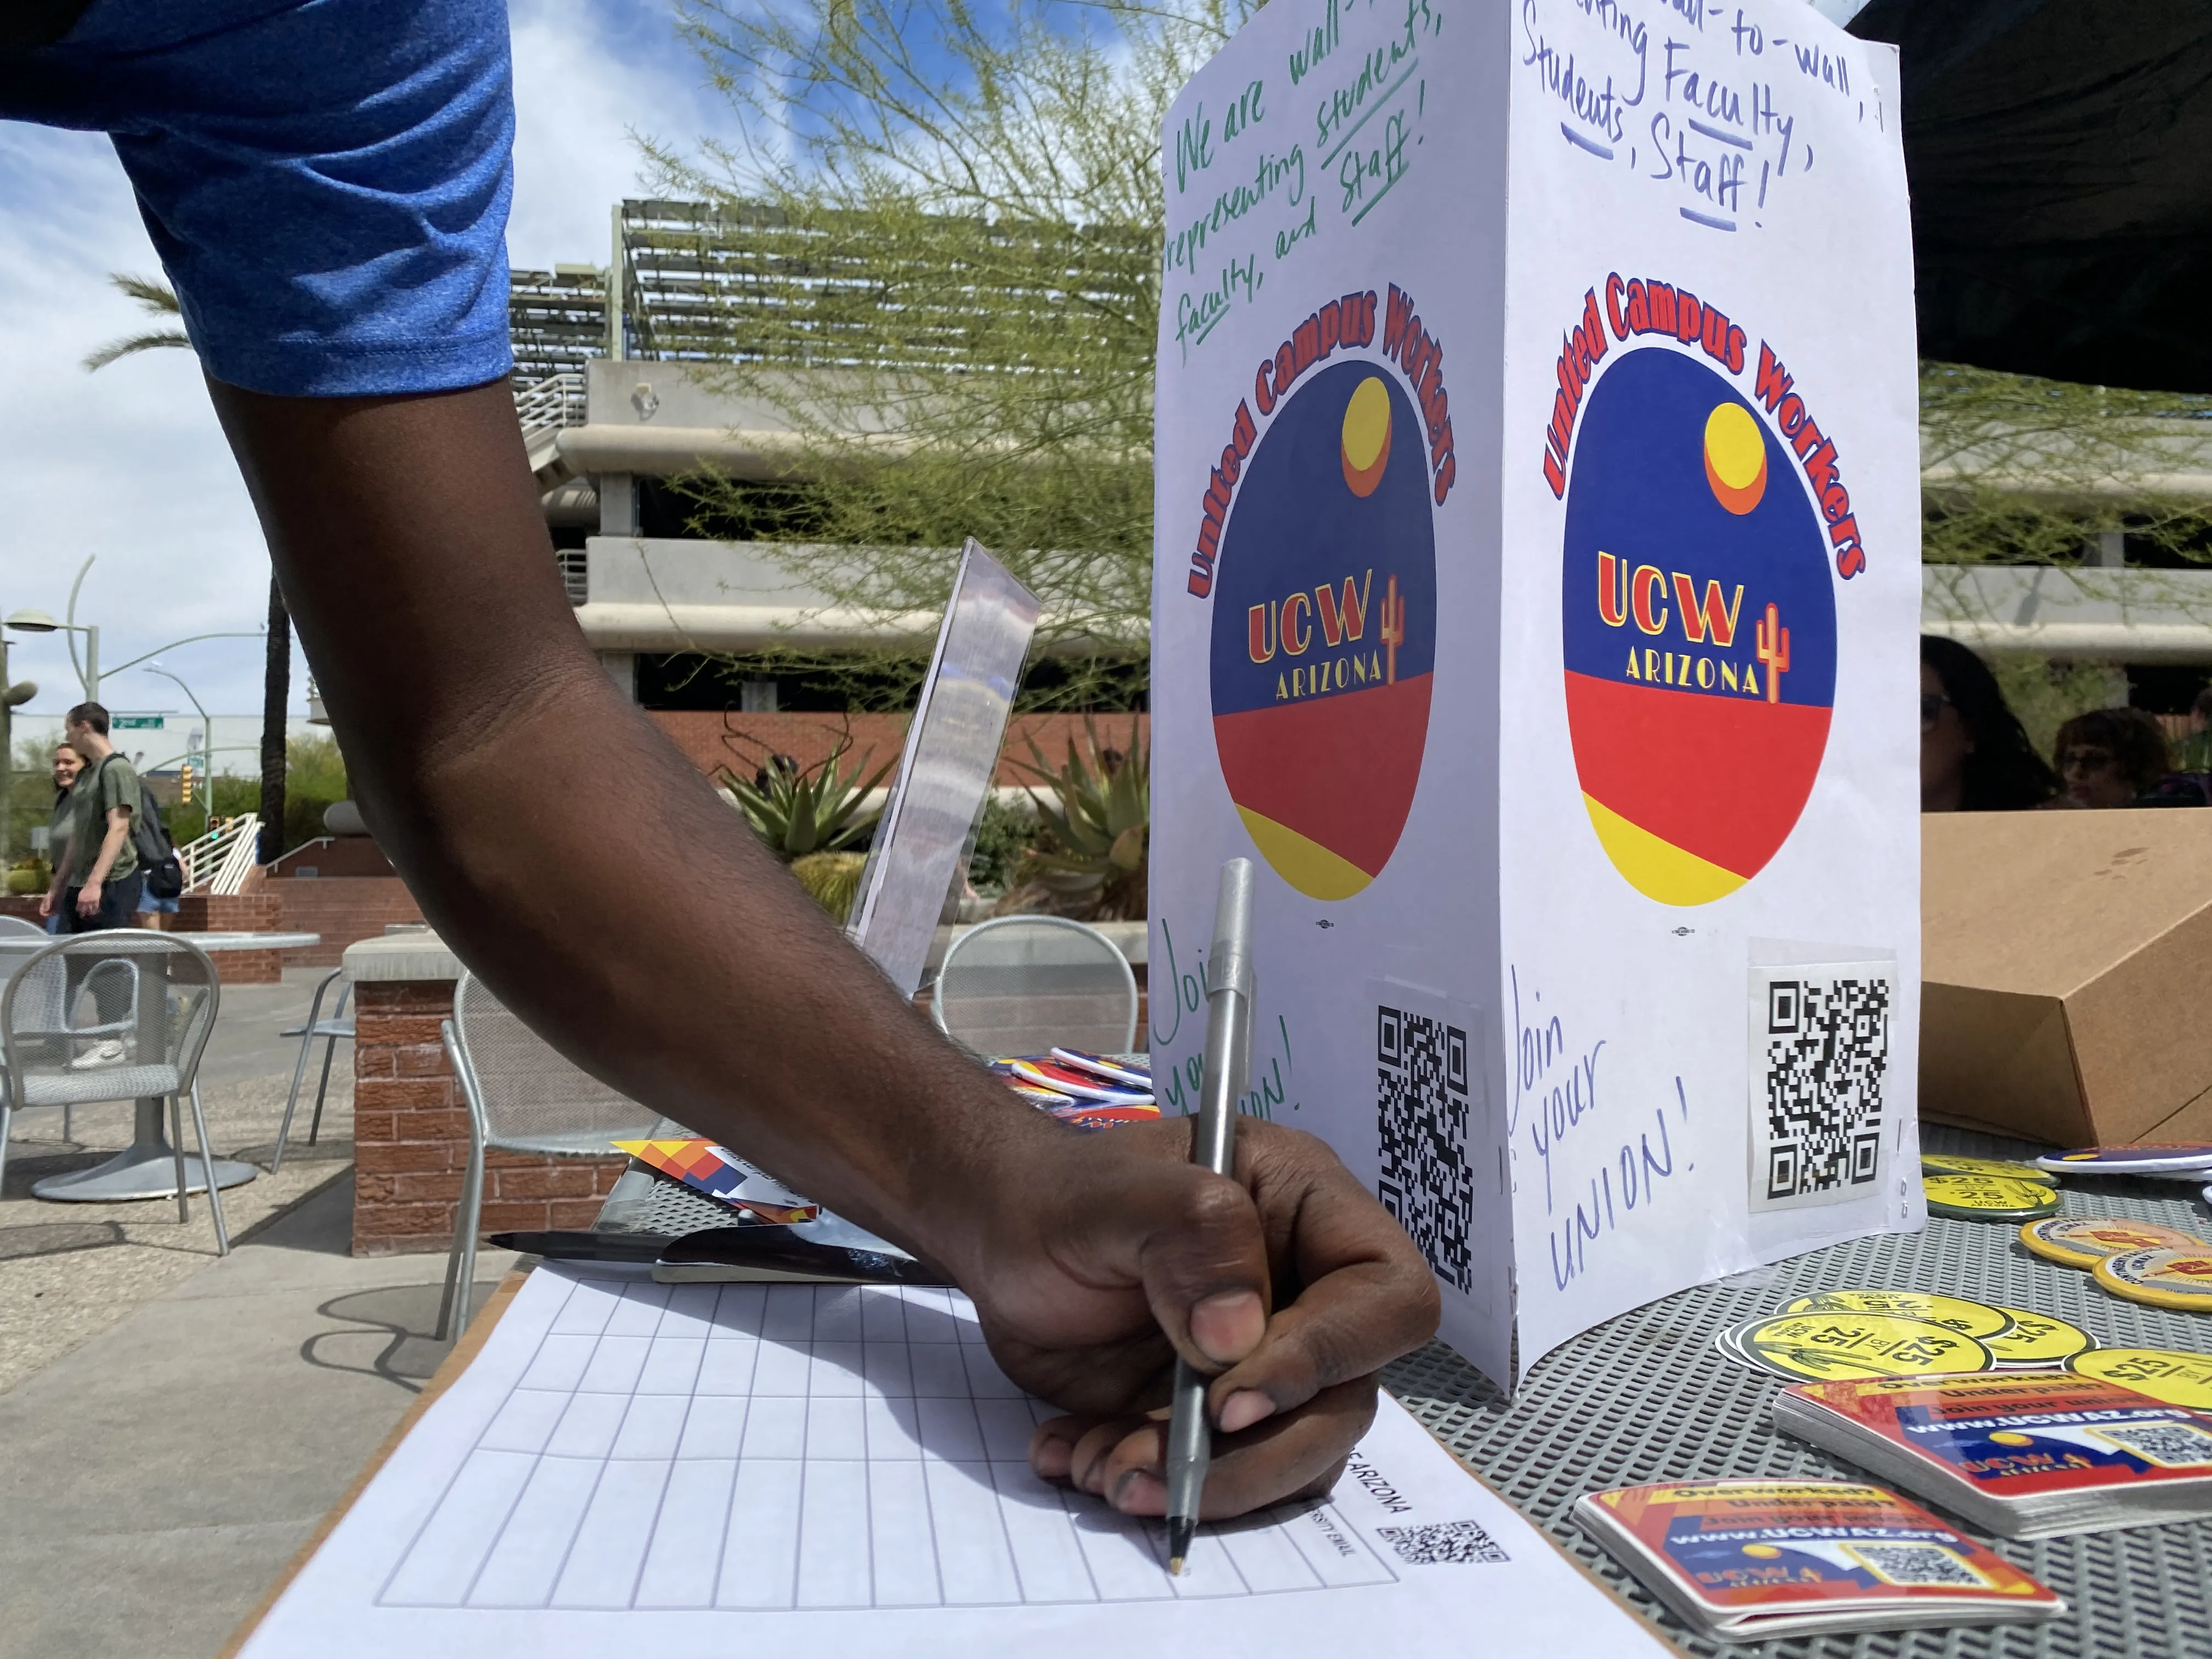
x,y
149,837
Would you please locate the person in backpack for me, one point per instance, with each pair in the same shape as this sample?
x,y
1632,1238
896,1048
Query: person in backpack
x,y
161,873
96,878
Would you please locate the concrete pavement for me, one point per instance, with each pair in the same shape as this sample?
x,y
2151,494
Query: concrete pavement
x,y
155,1481
69,1271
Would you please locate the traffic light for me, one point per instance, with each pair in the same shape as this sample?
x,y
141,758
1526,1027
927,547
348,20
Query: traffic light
x,y
185,785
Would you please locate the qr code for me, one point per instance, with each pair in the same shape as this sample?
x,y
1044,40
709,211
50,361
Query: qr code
x,y
1421,1117
1822,1061
2171,1445
1443,1541
1918,1564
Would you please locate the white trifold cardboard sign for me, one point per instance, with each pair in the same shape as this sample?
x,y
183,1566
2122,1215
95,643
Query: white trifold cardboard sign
x,y
1537,581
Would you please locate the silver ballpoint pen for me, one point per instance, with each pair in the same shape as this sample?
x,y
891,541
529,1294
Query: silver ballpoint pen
x,y
1213,1144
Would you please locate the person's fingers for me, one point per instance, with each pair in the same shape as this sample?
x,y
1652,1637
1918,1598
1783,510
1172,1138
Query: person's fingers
x,y
1123,1459
1137,1218
1365,1295
1205,1265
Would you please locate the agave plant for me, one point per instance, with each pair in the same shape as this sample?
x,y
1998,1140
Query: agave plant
x,y
1096,830
798,810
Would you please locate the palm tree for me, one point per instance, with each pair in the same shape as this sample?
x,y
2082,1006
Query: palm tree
x,y
156,298
159,299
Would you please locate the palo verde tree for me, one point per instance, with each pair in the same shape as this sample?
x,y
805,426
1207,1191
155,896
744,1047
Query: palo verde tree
x,y
940,240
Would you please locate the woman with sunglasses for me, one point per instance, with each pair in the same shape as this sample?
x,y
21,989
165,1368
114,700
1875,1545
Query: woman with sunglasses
x,y
1975,755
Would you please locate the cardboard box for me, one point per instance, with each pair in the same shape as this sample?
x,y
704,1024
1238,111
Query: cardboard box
x,y
2066,957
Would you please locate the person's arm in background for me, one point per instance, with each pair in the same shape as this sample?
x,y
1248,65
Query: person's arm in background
x,y
52,902
111,849
488,747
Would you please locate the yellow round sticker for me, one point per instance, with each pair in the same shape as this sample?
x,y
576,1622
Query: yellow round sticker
x,y
1999,1168
1976,1319
2083,1241
2166,1374
2036,1341
1988,1198
2165,1278
1826,1347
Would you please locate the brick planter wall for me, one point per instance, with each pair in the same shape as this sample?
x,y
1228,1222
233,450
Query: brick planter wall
x,y
343,909
807,738
412,1137
234,912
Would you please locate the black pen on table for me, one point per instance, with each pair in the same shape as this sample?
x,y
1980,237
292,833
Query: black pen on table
x,y
1213,1144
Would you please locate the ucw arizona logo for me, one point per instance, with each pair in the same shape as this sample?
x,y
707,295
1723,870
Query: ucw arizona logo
x,y
1324,595
1698,622
1294,626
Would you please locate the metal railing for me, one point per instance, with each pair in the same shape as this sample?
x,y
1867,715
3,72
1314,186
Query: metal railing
x,y
221,860
549,404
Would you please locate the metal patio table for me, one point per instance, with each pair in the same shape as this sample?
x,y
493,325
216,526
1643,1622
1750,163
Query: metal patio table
x,y
1645,1397
148,1169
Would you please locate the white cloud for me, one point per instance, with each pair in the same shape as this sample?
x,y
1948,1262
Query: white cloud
x,y
589,80
129,464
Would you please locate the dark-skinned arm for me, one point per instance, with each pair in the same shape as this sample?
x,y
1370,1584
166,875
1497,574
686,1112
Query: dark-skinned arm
x,y
589,875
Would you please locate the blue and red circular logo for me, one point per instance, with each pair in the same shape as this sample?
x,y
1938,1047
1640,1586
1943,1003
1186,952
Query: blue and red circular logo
x,y
1700,628
1324,630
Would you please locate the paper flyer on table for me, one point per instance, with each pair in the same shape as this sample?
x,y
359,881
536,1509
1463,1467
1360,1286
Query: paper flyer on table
x,y
691,1471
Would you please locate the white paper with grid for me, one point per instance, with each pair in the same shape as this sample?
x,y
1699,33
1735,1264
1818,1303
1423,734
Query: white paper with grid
x,y
650,1464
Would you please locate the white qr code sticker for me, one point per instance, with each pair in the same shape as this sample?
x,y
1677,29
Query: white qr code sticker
x,y
1820,1075
1422,1099
1440,1542
1917,1564
2169,1445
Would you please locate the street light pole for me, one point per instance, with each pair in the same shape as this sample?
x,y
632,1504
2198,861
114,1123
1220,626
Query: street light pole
x,y
38,622
88,676
207,732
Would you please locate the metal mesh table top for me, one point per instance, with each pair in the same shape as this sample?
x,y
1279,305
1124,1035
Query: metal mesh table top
x,y
1646,1397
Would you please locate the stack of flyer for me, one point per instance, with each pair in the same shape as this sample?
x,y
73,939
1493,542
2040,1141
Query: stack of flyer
x,y
1744,1561
1088,1091
2022,1454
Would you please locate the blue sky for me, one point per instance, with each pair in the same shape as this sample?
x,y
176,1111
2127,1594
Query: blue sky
x,y
129,463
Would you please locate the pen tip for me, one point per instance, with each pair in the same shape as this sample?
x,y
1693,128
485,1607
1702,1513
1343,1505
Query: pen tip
x,y
1181,1531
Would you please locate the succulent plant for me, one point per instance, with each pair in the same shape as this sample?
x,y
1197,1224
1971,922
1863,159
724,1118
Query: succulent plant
x,y
1096,831
798,810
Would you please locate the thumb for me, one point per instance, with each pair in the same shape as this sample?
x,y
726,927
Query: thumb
x,y
1204,1262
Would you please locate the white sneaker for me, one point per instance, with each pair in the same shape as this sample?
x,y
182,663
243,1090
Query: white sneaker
x,y
107,1052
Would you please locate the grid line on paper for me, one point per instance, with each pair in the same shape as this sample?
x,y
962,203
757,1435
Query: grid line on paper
x,y
579,1408
722,1541
446,1492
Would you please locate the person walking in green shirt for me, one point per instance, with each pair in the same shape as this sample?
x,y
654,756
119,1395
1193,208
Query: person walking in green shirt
x,y
96,878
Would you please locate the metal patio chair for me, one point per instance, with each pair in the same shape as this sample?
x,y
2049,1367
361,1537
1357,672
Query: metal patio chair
x,y
1016,985
14,926
338,1026
155,994
523,1096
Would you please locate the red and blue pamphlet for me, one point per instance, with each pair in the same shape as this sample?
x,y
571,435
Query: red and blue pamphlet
x,y
720,1173
1743,1560
2023,1454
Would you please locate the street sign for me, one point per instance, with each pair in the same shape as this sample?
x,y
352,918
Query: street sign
x,y
137,722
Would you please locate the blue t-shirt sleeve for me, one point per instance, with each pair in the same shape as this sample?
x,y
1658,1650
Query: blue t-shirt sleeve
x,y
327,183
